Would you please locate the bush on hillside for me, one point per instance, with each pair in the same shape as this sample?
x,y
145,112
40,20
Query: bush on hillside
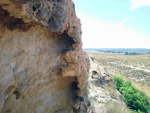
x,y
135,99
118,82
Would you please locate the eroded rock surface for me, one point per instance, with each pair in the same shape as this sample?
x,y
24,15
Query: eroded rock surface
x,y
42,68
103,96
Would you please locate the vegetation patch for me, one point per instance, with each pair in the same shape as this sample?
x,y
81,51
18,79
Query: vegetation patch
x,y
135,99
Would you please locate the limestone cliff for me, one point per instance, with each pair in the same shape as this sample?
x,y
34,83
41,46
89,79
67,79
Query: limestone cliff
x,y
42,68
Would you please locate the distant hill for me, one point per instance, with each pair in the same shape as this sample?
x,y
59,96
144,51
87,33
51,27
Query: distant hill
x,y
125,51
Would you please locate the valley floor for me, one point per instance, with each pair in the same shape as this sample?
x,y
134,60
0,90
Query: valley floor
x,y
135,68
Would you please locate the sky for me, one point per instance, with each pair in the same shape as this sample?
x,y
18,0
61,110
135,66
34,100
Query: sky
x,y
114,23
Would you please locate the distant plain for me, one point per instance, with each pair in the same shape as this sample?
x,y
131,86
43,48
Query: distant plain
x,y
132,67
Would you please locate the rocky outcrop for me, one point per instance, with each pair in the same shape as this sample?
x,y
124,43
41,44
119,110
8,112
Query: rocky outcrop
x,y
42,68
103,96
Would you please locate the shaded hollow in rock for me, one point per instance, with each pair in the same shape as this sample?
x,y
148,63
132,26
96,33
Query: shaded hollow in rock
x,y
17,93
74,89
12,90
13,23
94,72
66,42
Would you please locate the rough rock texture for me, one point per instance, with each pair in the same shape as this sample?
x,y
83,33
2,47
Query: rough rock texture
x,y
42,68
102,93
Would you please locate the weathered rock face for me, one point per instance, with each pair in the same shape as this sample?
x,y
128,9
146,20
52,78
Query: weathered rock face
x,y
42,68
102,93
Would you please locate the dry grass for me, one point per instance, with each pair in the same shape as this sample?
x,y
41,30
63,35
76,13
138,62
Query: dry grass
x,y
140,61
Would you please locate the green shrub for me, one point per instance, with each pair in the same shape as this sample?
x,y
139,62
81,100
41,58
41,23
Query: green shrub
x,y
135,99
118,81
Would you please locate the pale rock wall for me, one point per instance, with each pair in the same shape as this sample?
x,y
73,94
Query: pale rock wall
x,y
103,96
42,67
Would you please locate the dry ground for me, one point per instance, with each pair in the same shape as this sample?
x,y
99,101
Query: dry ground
x,y
134,68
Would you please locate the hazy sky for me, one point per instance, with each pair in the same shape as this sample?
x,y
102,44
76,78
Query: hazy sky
x,y
114,23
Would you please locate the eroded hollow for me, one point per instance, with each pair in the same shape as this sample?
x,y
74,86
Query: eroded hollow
x,y
12,90
66,42
17,93
94,72
12,23
74,88
36,6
